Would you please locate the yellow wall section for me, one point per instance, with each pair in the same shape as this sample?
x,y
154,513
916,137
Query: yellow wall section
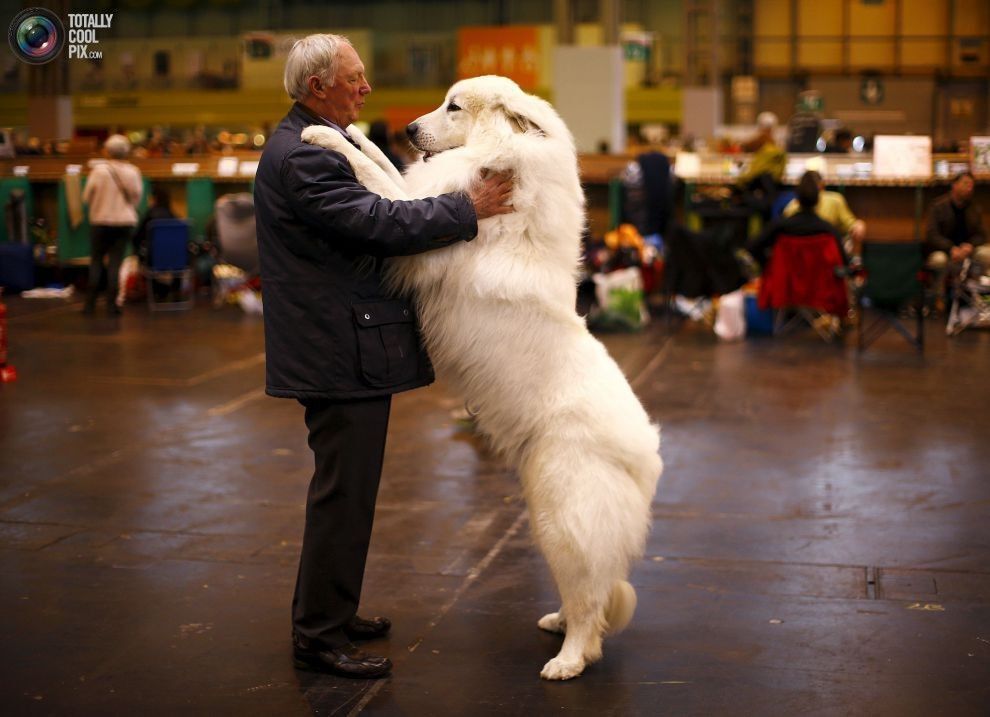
x,y
772,28
924,17
873,35
972,17
254,108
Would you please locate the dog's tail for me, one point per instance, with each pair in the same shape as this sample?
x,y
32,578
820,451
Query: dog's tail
x,y
621,606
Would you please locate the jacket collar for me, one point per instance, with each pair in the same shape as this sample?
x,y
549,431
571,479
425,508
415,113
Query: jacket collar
x,y
304,117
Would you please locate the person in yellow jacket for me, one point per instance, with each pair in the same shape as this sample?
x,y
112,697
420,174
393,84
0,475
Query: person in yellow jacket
x,y
832,207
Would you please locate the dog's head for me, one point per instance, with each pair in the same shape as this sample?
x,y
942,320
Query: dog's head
x,y
490,105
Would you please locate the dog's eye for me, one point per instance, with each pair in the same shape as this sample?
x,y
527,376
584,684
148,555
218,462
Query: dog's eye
x,y
453,108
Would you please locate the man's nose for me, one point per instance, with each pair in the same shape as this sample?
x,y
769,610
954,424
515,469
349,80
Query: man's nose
x,y
412,129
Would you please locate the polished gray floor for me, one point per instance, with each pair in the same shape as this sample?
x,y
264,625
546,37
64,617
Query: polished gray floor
x,y
821,542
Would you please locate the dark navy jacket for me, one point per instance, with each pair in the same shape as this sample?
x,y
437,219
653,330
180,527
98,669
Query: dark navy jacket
x,y
331,330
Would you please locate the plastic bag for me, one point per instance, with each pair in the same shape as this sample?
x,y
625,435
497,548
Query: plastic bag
x,y
730,318
621,305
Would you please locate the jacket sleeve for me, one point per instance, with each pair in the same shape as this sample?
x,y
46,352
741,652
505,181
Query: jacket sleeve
x,y
325,193
935,239
844,214
136,188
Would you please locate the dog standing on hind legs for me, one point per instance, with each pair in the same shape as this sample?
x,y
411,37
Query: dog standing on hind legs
x,y
499,322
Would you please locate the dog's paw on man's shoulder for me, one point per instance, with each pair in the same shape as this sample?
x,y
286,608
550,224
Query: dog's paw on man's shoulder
x,y
321,136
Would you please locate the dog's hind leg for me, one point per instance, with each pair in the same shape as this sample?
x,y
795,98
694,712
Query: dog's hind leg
x,y
588,520
582,638
583,592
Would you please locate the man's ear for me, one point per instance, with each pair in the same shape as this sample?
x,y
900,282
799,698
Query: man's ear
x,y
316,86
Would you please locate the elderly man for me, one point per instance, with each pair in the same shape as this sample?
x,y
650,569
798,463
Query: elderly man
x,y
113,192
335,339
955,230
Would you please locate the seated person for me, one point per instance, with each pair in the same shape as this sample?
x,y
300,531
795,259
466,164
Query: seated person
x,y
159,207
842,143
804,222
955,231
832,207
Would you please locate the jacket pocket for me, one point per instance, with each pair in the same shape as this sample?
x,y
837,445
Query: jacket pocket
x,y
388,344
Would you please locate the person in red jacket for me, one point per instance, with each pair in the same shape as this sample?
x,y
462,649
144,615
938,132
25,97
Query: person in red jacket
x,y
804,222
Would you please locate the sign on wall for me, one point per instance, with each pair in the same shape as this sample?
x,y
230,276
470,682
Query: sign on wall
x,y
512,52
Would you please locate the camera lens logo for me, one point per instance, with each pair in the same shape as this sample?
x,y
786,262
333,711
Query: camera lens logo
x,y
36,35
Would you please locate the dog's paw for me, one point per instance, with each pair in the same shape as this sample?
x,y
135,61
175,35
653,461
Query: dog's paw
x,y
561,669
320,136
553,622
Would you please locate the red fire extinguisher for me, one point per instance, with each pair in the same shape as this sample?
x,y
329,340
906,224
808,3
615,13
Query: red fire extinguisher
x,y
7,372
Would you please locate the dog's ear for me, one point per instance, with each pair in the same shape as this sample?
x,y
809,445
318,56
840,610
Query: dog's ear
x,y
521,123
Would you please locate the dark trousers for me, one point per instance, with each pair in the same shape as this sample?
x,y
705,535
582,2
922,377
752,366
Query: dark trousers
x,y
106,241
348,442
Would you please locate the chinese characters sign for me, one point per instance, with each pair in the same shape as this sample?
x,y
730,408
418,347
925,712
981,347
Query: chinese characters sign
x,y
512,52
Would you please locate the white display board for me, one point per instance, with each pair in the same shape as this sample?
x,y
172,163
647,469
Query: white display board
x,y
902,156
979,156
589,94
687,165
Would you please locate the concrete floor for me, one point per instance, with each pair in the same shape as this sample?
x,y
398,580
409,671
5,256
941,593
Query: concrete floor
x,y
820,547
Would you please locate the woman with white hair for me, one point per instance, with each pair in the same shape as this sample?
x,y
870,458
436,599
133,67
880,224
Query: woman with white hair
x,y
113,191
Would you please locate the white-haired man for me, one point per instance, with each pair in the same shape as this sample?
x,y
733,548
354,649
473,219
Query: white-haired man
x,y
113,191
335,339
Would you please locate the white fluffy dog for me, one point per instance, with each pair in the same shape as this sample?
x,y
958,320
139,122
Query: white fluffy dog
x,y
498,317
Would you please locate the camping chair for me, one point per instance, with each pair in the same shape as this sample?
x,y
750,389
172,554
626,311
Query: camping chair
x,y
970,299
804,281
168,261
893,279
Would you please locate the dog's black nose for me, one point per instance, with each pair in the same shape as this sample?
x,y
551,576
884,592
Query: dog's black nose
x,y
411,129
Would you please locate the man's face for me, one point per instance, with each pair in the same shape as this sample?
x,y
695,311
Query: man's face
x,y
962,190
345,98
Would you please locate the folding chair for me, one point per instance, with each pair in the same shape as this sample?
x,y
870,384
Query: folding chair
x,y
168,260
892,280
804,281
970,299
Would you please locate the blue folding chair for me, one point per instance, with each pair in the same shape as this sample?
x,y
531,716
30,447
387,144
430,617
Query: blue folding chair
x,y
168,262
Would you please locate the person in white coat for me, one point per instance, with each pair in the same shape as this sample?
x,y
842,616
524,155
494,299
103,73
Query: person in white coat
x,y
113,192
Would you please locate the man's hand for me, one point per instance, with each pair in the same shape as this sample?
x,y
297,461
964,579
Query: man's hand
x,y
858,230
491,195
962,251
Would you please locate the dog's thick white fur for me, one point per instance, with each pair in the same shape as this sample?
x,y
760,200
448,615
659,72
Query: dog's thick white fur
x,y
498,317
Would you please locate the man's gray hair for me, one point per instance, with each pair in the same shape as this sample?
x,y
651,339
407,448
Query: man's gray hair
x,y
117,146
313,55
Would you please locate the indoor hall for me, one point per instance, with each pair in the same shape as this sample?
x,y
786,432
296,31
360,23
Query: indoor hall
x,y
818,542
208,205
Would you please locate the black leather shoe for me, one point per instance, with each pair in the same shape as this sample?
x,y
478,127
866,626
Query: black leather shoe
x,y
346,661
359,628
